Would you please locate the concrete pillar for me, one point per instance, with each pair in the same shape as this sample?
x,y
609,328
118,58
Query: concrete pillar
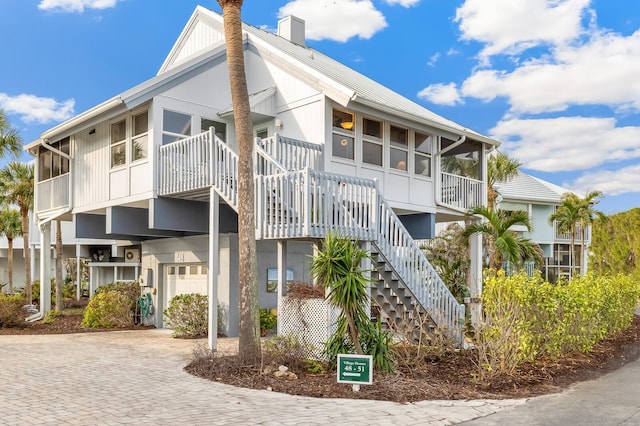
x,y
45,268
282,277
212,268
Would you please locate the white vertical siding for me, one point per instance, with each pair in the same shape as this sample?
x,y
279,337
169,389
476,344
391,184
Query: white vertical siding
x,y
91,167
202,37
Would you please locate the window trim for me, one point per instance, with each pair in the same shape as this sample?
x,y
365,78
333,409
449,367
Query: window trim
x,y
129,138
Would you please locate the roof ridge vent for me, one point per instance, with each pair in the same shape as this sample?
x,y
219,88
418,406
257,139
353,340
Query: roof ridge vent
x,y
292,28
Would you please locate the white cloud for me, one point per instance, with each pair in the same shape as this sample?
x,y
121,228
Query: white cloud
x,y
602,71
611,182
337,20
441,94
404,3
567,143
75,5
508,26
434,59
32,108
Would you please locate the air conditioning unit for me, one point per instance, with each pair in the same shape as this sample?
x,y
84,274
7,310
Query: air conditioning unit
x,y
132,255
100,254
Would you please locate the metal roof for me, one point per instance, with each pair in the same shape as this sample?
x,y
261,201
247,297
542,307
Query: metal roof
x,y
525,187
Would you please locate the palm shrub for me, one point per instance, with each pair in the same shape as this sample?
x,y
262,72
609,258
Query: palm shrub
x,y
337,267
187,315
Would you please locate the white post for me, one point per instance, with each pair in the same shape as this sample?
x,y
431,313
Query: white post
x,y
45,268
475,269
78,274
282,278
214,216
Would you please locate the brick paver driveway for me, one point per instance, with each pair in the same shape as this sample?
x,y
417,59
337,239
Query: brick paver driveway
x,y
137,377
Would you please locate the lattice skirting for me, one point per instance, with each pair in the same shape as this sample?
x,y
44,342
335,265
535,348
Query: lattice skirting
x,y
311,321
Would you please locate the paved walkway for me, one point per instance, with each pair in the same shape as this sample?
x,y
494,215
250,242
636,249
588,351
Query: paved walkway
x,y
136,377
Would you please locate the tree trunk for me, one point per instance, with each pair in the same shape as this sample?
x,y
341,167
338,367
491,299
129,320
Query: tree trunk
x,y
10,263
249,339
353,333
24,214
59,260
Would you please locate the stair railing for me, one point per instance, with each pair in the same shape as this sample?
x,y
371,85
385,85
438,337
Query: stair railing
x,y
410,263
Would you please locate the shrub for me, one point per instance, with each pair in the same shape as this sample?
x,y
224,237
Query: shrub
x,y
108,309
526,317
11,310
268,320
130,291
287,350
187,315
51,316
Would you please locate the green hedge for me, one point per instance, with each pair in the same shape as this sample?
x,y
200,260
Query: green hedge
x,y
555,319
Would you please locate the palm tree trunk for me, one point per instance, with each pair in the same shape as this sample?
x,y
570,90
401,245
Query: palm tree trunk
x,y
10,264
249,338
59,260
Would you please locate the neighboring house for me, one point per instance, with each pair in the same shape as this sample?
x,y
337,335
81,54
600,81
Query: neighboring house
x,y
540,199
155,169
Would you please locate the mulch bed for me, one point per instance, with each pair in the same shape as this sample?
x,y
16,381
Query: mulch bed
x,y
452,375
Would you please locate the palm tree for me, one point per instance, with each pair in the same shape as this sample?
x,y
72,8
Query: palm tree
x,y
16,188
567,216
588,214
10,227
249,336
10,141
500,168
507,244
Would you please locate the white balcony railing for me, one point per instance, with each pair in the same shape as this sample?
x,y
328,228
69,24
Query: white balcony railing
x,y
459,192
53,193
577,236
293,154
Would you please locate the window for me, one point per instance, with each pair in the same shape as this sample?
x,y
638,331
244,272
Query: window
x,y
175,126
118,143
422,157
262,133
343,134
130,134
220,128
139,144
399,150
51,164
372,142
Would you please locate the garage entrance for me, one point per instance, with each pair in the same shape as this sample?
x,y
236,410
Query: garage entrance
x,y
184,279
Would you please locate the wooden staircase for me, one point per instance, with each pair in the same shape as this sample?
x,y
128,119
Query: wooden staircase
x,y
298,201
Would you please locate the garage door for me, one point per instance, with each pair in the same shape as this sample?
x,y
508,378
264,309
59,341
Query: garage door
x,y
185,279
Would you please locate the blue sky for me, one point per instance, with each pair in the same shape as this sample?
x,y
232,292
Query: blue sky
x,y
555,80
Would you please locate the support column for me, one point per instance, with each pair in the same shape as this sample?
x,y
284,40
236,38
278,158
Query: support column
x,y
475,269
212,268
78,273
282,278
45,268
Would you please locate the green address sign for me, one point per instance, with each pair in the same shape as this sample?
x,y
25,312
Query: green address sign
x,y
355,369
